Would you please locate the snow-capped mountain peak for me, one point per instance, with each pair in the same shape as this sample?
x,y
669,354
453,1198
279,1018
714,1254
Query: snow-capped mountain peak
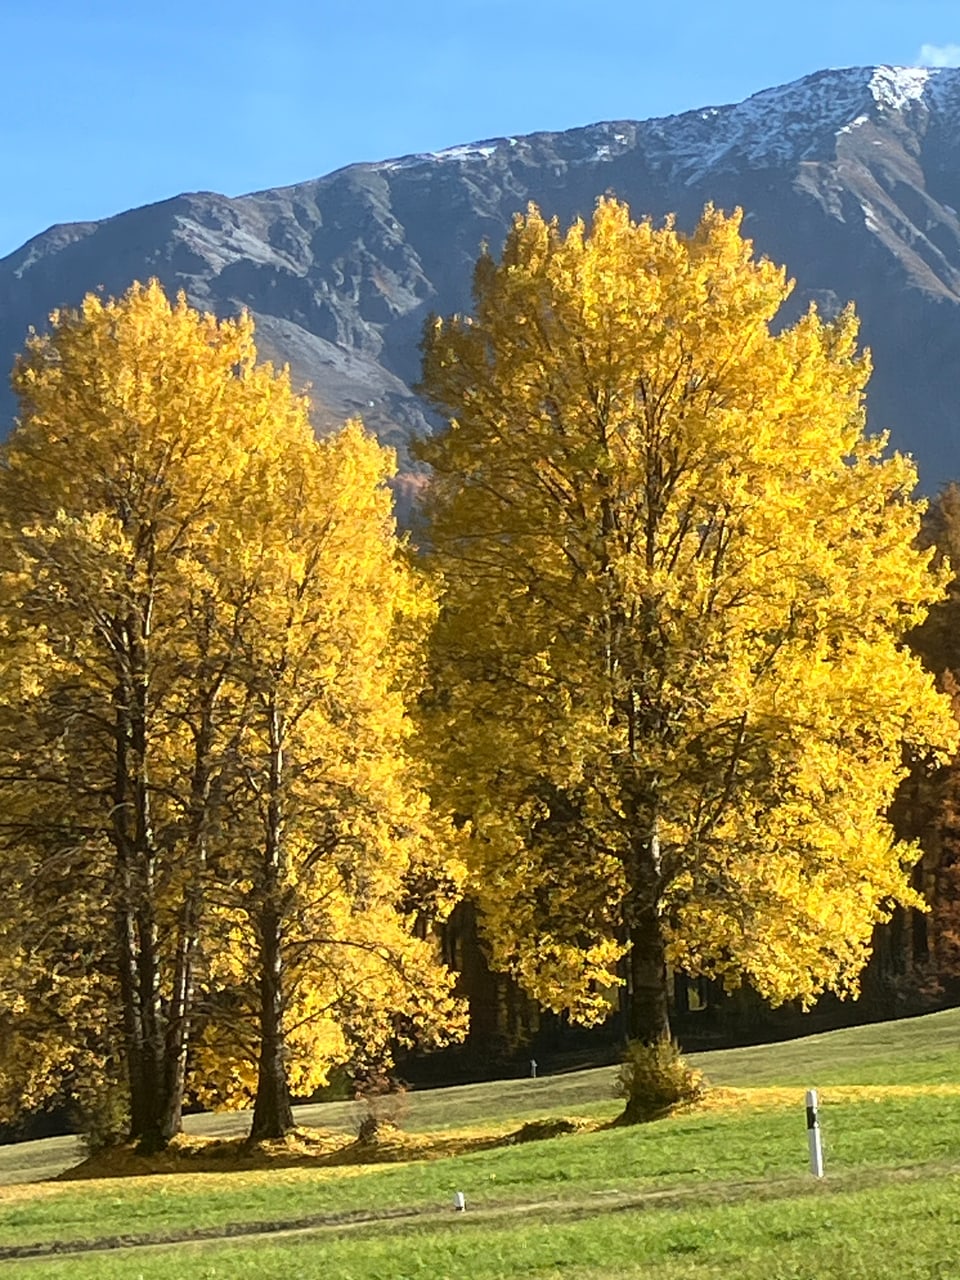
x,y
795,121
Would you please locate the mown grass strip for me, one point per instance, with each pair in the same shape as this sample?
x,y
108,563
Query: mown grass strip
x,y
898,1225
398,1220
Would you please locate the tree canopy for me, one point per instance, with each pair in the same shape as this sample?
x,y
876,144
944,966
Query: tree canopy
x,y
670,691
209,635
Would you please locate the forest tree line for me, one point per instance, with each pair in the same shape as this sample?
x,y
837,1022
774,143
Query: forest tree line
x,y
640,689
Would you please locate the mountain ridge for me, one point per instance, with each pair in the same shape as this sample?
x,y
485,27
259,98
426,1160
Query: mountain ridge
x,y
849,177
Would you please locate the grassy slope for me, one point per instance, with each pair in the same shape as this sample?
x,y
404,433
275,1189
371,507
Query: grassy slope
x,y
902,1231
893,1159
911,1051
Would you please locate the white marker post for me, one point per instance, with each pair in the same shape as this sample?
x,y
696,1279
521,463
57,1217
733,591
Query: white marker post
x,y
460,1202
813,1135
533,1068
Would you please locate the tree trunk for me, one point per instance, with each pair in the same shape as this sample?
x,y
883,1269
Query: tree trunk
x,y
188,929
152,1136
124,842
272,1115
177,1030
648,1018
155,1078
132,1030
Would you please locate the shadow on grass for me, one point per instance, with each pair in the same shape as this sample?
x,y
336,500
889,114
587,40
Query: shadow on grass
x,y
314,1148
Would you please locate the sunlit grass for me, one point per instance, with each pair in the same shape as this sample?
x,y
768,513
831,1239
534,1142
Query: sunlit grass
x,y
686,1188
894,1229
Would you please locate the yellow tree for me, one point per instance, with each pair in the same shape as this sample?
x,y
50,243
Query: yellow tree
x,y
210,632
118,490
670,689
336,866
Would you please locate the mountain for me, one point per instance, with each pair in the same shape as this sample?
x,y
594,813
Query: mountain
x,y
849,177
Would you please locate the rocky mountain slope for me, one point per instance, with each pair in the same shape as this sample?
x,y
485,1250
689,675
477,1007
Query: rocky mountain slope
x,y
851,178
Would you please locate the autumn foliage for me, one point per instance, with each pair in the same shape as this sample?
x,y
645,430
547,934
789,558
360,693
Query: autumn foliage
x,y
670,690
655,648
209,821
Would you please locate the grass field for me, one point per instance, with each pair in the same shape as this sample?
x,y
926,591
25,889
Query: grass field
x,y
720,1190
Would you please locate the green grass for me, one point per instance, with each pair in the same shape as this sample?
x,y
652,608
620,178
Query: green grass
x,y
719,1191
912,1051
903,1231
710,1149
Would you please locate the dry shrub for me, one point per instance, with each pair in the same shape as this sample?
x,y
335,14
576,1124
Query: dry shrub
x,y
381,1104
538,1130
655,1078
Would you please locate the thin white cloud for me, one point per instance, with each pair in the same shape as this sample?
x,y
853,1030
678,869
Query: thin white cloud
x,y
939,55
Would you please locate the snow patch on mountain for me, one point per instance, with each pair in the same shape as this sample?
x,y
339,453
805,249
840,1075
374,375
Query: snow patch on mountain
x,y
854,124
897,87
466,151
797,121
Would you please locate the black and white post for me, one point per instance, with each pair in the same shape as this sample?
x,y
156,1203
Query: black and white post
x,y
813,1134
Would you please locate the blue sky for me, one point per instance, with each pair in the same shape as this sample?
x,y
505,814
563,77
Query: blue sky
x,y
108,104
